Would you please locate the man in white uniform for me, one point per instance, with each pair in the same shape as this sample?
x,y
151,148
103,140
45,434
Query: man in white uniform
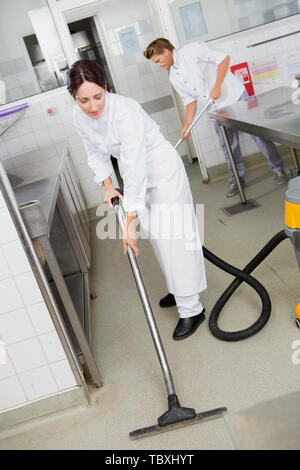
x,y
199,72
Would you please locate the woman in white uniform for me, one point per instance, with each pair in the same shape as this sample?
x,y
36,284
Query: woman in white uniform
x,y
156,187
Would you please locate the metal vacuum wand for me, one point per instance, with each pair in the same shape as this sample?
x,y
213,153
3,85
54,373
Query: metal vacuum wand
x,y
145,302
210,102
176,415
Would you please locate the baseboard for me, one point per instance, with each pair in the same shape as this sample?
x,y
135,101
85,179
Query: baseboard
x,y
254,160
45,407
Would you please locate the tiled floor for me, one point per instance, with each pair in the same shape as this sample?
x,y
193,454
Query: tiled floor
x,y
207,372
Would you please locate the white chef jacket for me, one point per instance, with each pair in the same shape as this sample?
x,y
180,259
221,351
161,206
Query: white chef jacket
x,y
194,73
125,131
154,179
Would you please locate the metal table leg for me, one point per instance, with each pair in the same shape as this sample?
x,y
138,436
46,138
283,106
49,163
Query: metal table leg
x,y
234,168
294,158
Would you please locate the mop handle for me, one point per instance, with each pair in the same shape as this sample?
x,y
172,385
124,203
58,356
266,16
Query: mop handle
x,y
119,209
210,101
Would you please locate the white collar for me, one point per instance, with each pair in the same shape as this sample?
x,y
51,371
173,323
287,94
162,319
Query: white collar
x,y
176,59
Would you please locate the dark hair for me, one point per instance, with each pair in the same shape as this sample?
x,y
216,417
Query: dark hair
x,y
85,70
157,47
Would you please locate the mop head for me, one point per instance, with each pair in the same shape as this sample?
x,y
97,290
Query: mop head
x,y
176,417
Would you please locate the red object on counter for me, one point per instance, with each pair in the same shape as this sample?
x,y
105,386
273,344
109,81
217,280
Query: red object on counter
x,y
241,71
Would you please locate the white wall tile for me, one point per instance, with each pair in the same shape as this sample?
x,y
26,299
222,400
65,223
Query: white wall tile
x,y
53,120
4,269
162,89
11,393
40,318
64,104
69,128
57,133
132,71
38,383
75,144
207,144
47,103
52,347
43,138
37,122
29,142
212,157
150,94
16,326
26,355
6,369
9,295
3,149
16,257
14,146
8,231
10,133
23,126
28,288
33,109
63,374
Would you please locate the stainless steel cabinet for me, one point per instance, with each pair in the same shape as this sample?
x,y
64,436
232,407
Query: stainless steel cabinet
x,y
54,210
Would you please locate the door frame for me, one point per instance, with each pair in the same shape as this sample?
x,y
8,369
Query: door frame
x,y
169,30
88,8
81,9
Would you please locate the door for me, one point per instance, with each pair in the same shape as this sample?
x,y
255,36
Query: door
x,y
87,44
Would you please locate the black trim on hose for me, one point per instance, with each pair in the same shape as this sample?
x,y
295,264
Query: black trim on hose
x,y
242,276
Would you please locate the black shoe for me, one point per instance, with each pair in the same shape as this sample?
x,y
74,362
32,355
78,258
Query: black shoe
x,y
187,326
167,301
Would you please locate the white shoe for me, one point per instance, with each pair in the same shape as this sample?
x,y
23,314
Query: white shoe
x,y
233,189
281,177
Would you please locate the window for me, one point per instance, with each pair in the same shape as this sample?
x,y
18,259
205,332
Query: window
x,y
32,59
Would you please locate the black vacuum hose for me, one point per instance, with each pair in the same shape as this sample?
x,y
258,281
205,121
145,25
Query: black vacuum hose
x,y
242,276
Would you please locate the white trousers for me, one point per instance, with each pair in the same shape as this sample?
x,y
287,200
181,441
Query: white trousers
x,y
171,225
188,306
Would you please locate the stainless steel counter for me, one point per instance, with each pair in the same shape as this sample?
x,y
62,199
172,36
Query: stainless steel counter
x,y
271,115
45,191
51,203
35,176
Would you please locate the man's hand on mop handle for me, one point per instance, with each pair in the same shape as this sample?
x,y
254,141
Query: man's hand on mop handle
x,y
190,111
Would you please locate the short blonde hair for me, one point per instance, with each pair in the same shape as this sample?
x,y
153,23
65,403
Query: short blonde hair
x,y
157,47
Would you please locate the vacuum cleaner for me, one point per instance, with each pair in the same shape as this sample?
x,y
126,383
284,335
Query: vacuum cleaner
x,y
177,416
292,231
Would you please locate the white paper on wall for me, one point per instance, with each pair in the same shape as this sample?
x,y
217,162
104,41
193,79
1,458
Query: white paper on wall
x,y
292,65
265,70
